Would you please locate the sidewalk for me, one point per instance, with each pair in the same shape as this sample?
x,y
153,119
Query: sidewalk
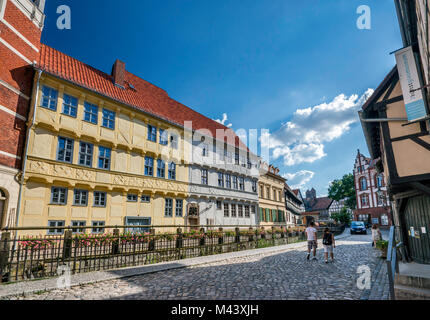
x,y
28,287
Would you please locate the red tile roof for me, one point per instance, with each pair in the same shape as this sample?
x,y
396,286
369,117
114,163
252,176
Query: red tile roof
x,y
145,96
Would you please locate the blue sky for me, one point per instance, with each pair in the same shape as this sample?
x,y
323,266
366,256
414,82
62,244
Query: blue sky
x,y
257,61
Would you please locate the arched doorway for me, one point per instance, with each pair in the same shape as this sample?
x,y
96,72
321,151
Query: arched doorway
x,y
3,202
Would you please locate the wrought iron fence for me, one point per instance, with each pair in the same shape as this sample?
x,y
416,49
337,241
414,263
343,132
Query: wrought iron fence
x,y
35,257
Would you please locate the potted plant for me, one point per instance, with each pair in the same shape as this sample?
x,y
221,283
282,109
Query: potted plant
x,y
383,246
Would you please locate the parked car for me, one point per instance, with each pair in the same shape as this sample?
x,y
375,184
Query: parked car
x,y
358,227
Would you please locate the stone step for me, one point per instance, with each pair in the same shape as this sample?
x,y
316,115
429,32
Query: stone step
x,y
410,293
412,281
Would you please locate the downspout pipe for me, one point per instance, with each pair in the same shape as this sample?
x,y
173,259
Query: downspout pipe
x,y
24,166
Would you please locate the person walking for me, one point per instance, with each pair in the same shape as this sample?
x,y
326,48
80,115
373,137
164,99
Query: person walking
x,y
312,237
376,235
329,244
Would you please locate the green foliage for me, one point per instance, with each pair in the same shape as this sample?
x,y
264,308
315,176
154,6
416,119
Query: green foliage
x,y
382,245
344,189
343,216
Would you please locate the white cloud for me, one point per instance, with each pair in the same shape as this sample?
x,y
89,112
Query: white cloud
x,y
224,120
299,179
302,139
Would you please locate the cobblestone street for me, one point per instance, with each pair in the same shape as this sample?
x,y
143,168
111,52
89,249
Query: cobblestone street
x,y
275,276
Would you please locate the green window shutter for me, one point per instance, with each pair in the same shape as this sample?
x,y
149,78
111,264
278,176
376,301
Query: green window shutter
x,y
267,215
261,214
275,216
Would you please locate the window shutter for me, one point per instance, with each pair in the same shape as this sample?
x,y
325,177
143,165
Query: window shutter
x,y
267,215
274,215
261,214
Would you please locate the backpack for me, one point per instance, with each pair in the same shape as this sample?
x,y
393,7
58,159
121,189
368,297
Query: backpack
x,y
327,240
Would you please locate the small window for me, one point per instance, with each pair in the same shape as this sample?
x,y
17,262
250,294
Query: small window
x,y
80,198
132,197
363,183
152,133
161,169
252,209
254,186
58,196
65,150
235,185
91,112
240,210
221,179
163,137
226,210
108,119
233,211
104,158
247,213
205,150
55,223
228,180
78,224
145,198
168,210
99,199
70,105
218,205
204,176
86,154
172,171
179,207
236,158
49,98
241,183
174,141
97,227
149,166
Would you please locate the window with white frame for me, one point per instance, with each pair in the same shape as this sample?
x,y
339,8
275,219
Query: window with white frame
x,y
363,183
240,210
364,200
179,207
99,199
168,210
56,223
205,149
91,112
152,133
235,184
226,210
149,166
163,137
228,180
65,150
233,210
108,119
86,154
70,105
131,197
172,171
204,176
80,198
254,186
161,169
247,213
58,196
221,179
98,227
218,205
384,220
145,198
174,141
49,98
104,158
241,184
78,224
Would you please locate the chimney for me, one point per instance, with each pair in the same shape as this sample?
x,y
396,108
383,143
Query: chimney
x,y
118,73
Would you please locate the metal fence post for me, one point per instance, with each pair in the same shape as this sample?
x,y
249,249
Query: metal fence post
x,y
221,238
179,239
237,237
115,243
4,256
151,244
67,246
273,235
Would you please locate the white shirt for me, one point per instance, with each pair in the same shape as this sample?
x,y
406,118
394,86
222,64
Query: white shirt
x,y
311,233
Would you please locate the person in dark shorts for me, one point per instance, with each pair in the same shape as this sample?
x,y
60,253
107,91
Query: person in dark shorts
x,y
329,244
312,236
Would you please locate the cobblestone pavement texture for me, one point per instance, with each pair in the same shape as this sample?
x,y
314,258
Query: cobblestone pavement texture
x,y
274,276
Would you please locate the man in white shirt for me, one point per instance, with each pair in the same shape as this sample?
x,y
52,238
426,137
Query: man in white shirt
x,y
312,236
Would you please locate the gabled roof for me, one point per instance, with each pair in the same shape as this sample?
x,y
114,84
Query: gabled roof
x,y
141,95
319,204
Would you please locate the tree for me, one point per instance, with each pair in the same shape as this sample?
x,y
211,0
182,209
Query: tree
x,y
343,216
344,189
